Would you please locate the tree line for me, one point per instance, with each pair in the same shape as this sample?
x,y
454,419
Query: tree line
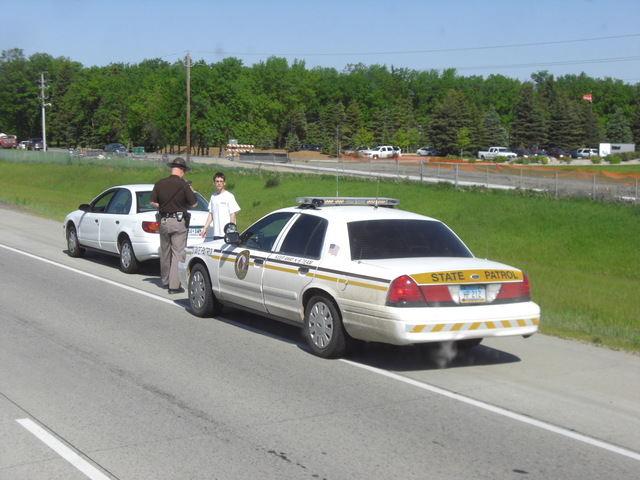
x,y
280,104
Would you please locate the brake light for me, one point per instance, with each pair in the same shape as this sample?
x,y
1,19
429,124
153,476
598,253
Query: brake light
x,y
516,290
151,227
437,293
404,290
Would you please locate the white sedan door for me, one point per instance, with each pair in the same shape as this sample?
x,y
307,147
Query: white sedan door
x,y
292,267
115,219
91,221
241,268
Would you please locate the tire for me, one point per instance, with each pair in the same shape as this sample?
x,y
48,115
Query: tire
x,y
323,329
128,261
202,301
73,244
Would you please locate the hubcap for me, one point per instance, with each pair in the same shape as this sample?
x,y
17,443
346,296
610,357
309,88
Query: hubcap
x,y
125,255
73,241
320,324
196,290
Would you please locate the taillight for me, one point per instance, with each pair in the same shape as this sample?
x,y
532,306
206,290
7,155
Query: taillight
x,y
151,227
404,290
521,290
437,293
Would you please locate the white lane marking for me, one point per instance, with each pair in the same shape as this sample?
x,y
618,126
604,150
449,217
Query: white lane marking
x,y
61,449
90,275
502,411
425,386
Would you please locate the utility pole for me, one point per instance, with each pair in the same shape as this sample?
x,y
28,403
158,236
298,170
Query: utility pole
x,y
188,106
44,104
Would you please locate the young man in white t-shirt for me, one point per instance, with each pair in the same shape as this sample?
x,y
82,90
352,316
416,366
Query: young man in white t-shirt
x,y
222,208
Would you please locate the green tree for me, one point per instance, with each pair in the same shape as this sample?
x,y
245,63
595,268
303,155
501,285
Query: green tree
x,y
494,133
635,126
19,95
449,117
618,129
564,124
529,126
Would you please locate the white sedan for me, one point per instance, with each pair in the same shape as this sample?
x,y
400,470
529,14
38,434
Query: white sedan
x,y
353,268
121,221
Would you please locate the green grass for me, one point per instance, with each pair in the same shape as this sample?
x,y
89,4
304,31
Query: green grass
x,y
581,256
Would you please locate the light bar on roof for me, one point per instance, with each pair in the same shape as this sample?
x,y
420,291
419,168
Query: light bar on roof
x,y
327,201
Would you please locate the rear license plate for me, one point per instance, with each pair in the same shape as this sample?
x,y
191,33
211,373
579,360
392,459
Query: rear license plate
x,y
472,294
194,231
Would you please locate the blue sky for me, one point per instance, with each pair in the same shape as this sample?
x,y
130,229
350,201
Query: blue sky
x,y
477,37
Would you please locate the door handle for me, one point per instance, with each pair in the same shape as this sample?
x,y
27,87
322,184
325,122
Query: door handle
x,y
303,270
258,261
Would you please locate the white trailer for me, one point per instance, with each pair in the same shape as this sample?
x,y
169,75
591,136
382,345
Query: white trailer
x,y
613,148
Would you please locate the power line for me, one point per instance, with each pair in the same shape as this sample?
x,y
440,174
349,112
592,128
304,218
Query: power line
x,y
443,50
545,64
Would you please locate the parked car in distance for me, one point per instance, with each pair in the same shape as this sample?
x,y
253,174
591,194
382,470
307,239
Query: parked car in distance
x,y
23,145
575,154
523,153
345,268
310,147
427,152
381,151
36,144
494,152
115,148
8,141
588,152
121,222
557,152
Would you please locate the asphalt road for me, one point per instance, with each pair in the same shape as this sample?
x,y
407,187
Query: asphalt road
x,y
105,375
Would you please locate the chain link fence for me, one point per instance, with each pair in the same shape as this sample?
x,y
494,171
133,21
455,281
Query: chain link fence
x,y
595,185
555,181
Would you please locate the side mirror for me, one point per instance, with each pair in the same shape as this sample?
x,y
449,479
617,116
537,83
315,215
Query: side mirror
x,y
232,238
231,235
85,207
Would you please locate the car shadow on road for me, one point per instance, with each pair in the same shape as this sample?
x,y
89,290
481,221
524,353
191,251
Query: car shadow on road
x,y
150,267
388,357
428,356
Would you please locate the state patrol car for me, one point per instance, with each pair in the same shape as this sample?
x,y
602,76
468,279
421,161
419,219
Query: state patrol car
x,y
357,268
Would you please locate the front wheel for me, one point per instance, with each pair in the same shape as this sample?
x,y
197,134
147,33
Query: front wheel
x,y
73,244
202,301
128,261
323,329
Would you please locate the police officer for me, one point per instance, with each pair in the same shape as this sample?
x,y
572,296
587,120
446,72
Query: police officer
x,y
170,196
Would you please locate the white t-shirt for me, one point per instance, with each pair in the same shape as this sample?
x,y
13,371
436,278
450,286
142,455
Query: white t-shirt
x,y
221,207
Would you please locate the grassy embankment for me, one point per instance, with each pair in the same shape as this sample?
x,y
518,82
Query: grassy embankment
x,y
581,256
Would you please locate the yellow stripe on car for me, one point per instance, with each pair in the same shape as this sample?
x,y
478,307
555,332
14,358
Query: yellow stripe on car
x,y
472,326
467,276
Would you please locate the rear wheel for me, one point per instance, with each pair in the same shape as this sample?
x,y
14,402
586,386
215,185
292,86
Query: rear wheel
x,y
73,245
323,329
202,301
128,261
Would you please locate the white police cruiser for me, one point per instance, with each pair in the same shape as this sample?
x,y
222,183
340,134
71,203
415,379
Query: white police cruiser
x,y
347,268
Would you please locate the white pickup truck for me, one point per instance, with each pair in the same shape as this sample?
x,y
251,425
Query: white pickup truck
x,y
382,151
494,152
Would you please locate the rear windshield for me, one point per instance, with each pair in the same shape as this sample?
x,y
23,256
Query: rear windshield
x,y
144,203
380,239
